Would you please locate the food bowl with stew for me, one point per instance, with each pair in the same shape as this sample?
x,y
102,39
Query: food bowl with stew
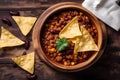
x,y
74,50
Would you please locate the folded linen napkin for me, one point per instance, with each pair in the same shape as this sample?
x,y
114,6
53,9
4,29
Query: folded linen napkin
x,y
106,10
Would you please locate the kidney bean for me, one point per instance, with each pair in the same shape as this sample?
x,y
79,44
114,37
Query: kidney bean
x,y
80,20
24,53
57,24
6,21
55,54
95,31
48,47
72,14
68,62
56,18
75,13
54,31
89,25
58,58
92,33
32,77
52,41
59,54
27,44
94,28
65,63
66,19
87,20
69,57
80,58
69,17
64,23
14,65
89,30
14,13
51,37
84,56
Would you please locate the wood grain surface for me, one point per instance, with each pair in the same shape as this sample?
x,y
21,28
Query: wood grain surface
x,y
106,68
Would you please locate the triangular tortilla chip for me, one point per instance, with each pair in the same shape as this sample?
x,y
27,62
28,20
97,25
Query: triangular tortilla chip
x,y
26,62
71,30
85,42
7,39
25,23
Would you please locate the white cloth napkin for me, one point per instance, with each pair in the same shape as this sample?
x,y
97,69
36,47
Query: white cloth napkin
x,y
106,10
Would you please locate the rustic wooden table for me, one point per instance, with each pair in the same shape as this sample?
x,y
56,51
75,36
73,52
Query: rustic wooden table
x,y
106,68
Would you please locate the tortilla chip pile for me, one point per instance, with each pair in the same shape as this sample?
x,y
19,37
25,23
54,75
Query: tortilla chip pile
x,y
7,39
25,24
78,35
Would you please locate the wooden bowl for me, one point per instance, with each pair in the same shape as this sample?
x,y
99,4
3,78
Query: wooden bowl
x,y
37,32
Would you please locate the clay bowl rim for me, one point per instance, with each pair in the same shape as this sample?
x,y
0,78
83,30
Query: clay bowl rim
x,y
37,33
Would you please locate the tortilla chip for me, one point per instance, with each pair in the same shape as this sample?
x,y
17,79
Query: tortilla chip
x,y
71,30
74,40
26,62
7,39
85,42
25,23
